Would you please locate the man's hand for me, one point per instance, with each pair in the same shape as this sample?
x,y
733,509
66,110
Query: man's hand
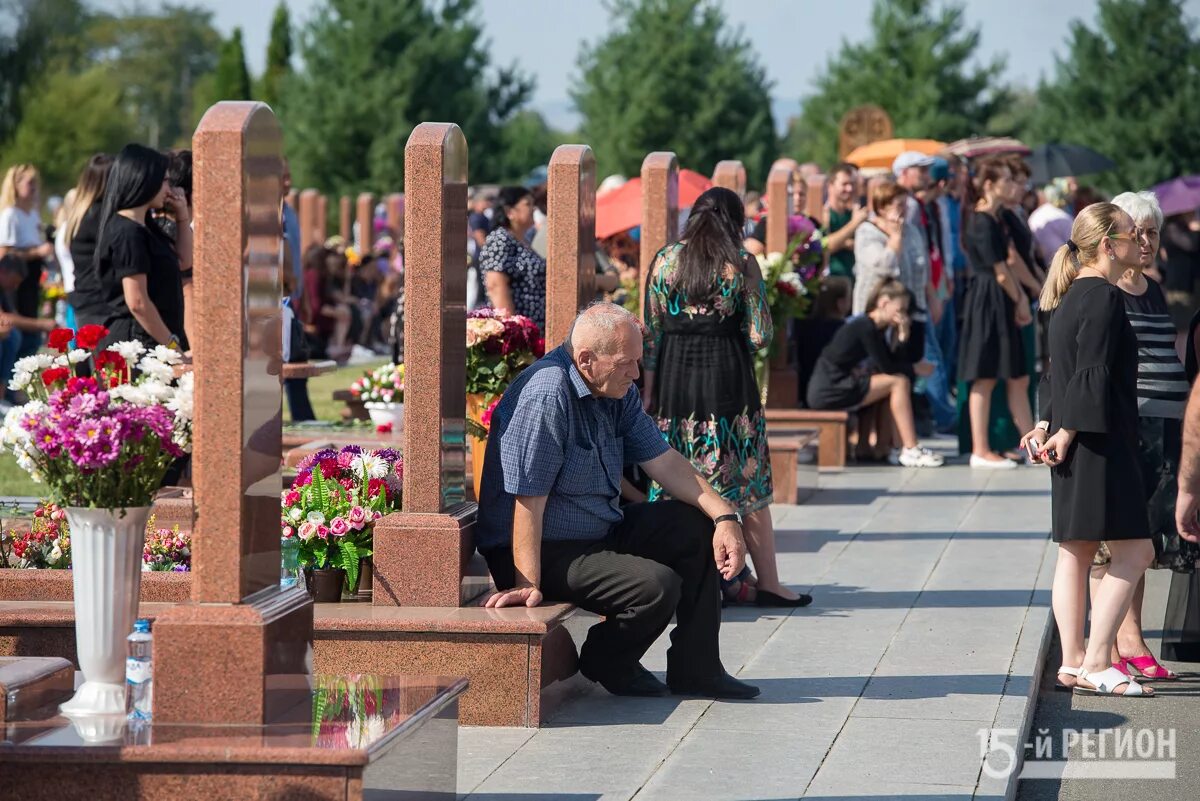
x,y
518,596
729,549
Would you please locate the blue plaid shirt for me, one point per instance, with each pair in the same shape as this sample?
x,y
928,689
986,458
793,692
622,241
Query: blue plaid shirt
x,y
550,436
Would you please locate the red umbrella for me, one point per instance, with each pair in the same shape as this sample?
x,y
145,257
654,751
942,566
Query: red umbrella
x,y
621,209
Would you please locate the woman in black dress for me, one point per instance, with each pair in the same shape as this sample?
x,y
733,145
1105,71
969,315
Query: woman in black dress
x,y
706,311
1096,482
860,367
514,275
995,310
137,265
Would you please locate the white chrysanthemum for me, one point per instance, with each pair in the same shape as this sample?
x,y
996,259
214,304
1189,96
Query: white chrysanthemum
x,y
78,355
166,355
34,363
370,464
129,351
157,391
61,360
183,401
130,393
20,381
55,554
155,369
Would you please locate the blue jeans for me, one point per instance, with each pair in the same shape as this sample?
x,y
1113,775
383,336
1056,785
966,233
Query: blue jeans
x,y
10,348
935,386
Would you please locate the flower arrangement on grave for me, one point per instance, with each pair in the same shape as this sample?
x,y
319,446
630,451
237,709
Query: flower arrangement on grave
x,y
382,385
167,550
45,546
104,440
499,347
334,502
352,711
103,444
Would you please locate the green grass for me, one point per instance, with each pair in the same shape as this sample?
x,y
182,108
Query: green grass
x,y
15,481
321,389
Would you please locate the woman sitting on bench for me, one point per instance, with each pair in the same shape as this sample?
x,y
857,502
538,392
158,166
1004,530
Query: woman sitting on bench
x,y
840,380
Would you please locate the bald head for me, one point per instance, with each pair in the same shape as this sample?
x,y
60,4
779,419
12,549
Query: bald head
x,y
605,342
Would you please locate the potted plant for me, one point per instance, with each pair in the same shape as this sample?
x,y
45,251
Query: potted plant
x,y
499,347
382,392
102,443
331,509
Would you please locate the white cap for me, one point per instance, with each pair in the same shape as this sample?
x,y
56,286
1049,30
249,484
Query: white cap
x,y
910,158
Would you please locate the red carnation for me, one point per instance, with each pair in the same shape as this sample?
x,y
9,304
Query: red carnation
x,y
55,374
60,339
77,385
111,358
90,335
384,428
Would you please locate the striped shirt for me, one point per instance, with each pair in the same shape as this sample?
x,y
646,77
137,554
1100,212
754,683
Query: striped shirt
x,y
1162,387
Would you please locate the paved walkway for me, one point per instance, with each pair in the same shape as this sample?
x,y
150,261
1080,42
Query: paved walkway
x,y
931,591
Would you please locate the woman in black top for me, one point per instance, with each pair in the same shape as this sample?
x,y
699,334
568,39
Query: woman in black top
x,y
81,234
136,263
1096,484
995,310
840,381
1181,263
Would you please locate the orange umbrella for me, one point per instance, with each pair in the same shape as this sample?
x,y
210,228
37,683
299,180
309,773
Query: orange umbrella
x,y
884,152
621,209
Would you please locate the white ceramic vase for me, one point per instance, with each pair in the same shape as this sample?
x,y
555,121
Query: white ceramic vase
x,y
106,562
384,413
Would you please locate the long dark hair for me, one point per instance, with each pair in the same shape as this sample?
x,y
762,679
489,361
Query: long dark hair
x,y
713,238
135,178
508,197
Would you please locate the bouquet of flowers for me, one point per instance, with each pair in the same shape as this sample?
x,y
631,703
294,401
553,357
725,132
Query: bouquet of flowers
x,y
382,385
104,440
480,429
498,348
335,499
47,544
166,549
804,246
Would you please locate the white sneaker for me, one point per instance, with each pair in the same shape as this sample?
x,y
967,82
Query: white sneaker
x,y
980,463
920,457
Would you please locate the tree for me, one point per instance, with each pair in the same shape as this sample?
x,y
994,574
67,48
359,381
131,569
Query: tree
x,y
373,70
85,103
1130,88
157,59
670,76
526,142
231,79
34,35
279,57
916,65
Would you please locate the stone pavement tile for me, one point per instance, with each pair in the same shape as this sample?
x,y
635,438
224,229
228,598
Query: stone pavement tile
x,y
832,644
796,705
989,560
599,707
894,791
932,696
880,752
728,766
482,749
582,762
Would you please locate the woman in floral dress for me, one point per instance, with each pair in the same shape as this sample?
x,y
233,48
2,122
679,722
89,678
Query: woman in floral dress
x,y
706,310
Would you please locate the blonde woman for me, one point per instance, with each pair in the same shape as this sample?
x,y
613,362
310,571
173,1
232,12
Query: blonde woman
x,y
75,243
1096,482
21,238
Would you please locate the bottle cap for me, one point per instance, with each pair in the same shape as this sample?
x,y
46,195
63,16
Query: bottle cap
x,y
142,626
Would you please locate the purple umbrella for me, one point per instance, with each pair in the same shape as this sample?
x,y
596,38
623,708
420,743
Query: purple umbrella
x,y
1179,195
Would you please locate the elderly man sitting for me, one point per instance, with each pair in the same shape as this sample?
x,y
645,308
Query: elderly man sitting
x,y
551,528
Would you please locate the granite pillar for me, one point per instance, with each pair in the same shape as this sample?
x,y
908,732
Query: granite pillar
x,y
815,199
660,210
321,223
364,216
779,207
395,215
307,213
418,552
730,175
345,217
237,614
571,245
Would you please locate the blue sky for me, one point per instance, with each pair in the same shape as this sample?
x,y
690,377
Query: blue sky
x,y
793,38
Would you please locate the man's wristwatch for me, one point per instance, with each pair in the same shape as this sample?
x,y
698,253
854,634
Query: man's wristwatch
x,y
736,517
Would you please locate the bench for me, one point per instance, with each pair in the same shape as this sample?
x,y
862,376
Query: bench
x,y
793,483
355,408
831,432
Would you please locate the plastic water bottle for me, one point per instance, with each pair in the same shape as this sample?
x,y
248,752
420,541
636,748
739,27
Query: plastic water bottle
x,y
139,672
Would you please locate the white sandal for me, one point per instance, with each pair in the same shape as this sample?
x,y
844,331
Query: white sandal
x,y
1064,670
1106,683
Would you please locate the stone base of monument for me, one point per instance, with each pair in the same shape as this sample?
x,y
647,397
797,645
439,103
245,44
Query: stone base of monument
x,y
31,683
351,738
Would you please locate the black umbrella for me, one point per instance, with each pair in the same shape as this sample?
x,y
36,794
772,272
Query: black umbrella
x,y
1057,161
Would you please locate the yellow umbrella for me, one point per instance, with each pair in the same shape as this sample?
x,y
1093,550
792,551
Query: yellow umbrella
x,y
884,152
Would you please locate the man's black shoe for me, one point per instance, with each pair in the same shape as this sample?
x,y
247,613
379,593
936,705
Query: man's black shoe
x,y
720,686
636,681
